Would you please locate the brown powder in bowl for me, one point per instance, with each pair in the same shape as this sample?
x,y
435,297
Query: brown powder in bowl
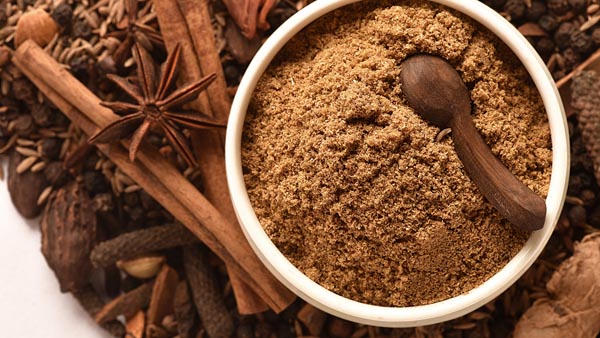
x,y
349,182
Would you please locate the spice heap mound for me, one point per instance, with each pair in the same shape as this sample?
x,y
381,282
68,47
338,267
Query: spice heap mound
x,y
350,183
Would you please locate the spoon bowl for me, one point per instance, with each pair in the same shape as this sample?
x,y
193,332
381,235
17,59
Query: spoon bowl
x,y
435,91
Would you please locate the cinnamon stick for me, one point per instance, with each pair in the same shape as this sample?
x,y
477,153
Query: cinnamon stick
x,y
153,173
188,23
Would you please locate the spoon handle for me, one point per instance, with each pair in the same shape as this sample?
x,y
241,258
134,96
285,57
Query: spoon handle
x,y
513,199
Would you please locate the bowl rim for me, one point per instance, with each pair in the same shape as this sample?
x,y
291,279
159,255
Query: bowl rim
x,y
369,314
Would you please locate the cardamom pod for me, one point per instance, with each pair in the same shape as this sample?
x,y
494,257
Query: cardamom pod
x,y
68,235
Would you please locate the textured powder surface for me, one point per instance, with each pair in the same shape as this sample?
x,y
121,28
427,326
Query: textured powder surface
x,y
349,182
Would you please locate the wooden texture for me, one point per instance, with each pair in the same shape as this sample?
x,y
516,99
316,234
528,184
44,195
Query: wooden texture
x,y
436,92
154,174
188,23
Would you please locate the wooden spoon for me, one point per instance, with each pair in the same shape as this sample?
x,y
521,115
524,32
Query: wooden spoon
x,y
436,92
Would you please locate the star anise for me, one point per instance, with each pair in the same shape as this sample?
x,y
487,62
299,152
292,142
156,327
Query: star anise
x,y
155,107
136,31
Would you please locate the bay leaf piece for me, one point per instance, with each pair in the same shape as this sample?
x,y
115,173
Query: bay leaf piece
x,y
25,188
68,235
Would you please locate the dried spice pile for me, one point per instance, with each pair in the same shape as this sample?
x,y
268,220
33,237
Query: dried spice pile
x,y
154,271
352,185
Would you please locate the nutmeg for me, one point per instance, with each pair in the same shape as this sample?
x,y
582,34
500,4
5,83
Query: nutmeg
x,y
36,25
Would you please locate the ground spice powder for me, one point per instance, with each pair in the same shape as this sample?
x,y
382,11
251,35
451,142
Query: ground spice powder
x,y
349,182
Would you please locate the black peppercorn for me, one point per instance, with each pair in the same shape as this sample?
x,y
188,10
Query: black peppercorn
x,y
574,186
535,12
63,15
558,6
42,115
94,182
578,5
515,9
588,196
51,148
562,37
581,42
131,199
23,90
137,215
594,218
23,125
232,74
548,23
577,215
572,58
82,30
596,36
147,201
55,174
545,47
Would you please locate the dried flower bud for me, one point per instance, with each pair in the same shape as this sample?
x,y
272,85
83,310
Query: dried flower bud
x,y
36,25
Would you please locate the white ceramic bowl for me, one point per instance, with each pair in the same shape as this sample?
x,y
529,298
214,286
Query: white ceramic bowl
x,y
343,307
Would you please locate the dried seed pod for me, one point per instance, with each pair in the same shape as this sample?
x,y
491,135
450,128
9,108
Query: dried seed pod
x,y
142,267
25,188
68,235
207,296
36,25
